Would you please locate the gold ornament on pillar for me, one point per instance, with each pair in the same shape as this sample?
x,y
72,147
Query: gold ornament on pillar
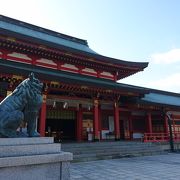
x,y
96,103
44,98
115,104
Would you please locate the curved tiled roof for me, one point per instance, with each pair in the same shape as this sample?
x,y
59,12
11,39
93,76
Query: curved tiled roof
x,y
10,26
162,98
61,76
36,32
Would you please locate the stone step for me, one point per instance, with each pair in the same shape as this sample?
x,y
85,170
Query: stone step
x,y
29,149
114,156
24,141
115,150
105,147
102,144
75,151
133,151
96,146
93,157
110,150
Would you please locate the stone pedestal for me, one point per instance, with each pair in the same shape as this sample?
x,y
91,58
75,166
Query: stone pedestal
x,y
33,159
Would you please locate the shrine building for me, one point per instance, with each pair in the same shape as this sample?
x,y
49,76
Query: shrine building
x,y
82,100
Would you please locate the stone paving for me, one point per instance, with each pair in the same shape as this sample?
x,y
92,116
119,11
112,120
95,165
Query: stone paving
x,y
158,167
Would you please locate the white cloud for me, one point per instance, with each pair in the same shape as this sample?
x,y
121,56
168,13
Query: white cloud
x,y
171,83
168,57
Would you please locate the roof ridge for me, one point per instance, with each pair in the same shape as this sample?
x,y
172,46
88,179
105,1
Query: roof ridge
x,y
41,29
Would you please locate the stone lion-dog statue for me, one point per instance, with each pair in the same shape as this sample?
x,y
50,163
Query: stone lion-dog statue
x,y
21,106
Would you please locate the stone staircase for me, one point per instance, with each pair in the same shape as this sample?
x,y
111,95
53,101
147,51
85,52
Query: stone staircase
x,y
91,151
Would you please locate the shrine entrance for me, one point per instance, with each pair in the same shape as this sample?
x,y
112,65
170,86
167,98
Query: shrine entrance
x,y
61,124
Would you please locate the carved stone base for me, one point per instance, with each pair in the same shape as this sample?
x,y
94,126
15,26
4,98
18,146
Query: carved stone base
x,y
32,159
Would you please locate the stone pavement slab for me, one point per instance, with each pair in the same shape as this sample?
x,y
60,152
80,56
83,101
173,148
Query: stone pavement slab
x,y
158,167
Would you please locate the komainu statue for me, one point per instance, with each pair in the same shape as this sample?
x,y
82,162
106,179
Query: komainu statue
x,y
22,105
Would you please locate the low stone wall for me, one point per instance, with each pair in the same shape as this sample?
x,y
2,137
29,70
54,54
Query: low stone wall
x,y
32,159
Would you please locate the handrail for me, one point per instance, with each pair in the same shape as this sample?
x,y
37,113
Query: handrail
x,y
156,137
161,137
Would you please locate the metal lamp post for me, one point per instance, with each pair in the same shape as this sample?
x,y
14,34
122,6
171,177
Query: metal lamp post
x,y
171,141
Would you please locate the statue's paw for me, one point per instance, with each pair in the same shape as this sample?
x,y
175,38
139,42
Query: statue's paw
x,y
22,134
35,134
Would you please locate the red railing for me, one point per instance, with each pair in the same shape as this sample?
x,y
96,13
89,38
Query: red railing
x,y
161,137
156,137
176,136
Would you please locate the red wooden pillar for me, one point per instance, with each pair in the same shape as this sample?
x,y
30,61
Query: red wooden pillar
x,y
100,122
130,127
96,120
79,123
116,121
149,119
42,120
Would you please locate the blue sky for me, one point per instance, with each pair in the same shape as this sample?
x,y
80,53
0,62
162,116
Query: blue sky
x,y
132,30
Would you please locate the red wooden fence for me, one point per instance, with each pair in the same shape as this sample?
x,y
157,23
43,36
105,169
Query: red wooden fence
x,y
160,137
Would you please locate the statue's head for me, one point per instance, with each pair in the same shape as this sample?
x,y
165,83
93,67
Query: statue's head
x,y
34,83
30,86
